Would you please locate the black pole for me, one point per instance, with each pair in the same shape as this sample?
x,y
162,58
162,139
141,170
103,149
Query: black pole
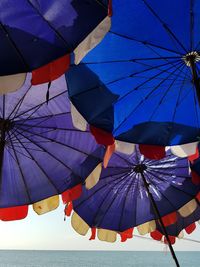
x,y
2,139
159,218
195,77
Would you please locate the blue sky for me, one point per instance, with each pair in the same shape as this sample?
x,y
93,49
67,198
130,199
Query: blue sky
x,y
49,231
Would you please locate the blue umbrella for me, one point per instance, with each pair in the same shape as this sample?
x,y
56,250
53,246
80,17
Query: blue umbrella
x,y
135,191
141,84
34,32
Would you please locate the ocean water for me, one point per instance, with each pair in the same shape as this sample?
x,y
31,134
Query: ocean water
x,y
29,258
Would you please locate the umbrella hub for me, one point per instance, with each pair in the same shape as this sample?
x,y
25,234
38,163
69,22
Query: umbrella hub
x,y
191,58
5,125
140,168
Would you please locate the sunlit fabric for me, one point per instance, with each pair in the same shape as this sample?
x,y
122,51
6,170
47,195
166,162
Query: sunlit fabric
x,y
94,176
79,225
46,205
78,121
107,235
11,83
141,83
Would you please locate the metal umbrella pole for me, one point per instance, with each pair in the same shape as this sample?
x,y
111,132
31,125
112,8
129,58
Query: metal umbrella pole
x,y
140,169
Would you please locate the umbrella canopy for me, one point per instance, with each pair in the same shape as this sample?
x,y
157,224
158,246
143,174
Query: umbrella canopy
x,y
177,229
137,192
120,201
35,33
141,84
41,153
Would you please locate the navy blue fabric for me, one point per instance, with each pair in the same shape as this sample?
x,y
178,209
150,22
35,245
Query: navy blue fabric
x,y
35,32
182,223
120,201
148,94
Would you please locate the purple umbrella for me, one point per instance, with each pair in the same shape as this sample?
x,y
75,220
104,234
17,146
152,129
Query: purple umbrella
x,y
41,153
34,33
39,35
135,191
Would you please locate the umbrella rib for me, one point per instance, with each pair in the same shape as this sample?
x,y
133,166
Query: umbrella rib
x,y
177,102
101,4
166,173
164,95
46,151
165,197
173,64
152,49
42,117
191,24
148,95
113,175
145,42
171,184
4,103
19,152
20,147
196,105
48,127
30,126
107,185
164,25
20,169
39,105
39,166
124,159
22,59
57,142
126,60
19,103
128,76
125,200
150,79
122,183
51,26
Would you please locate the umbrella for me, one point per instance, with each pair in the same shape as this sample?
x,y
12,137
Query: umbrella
x,y
134,191
41,154
176,230
39,36
141,83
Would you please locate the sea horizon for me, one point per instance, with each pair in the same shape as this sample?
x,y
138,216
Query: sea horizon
x,y
95,258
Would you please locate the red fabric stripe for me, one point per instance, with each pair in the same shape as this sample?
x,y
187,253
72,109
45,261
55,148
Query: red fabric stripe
x,y
110,10
126,234
152,152
169,219
102,137
198,196
51,71
93,234
72,194
172,240
68,209
156,235
190,228
195,178
13,213
195,156
109,151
